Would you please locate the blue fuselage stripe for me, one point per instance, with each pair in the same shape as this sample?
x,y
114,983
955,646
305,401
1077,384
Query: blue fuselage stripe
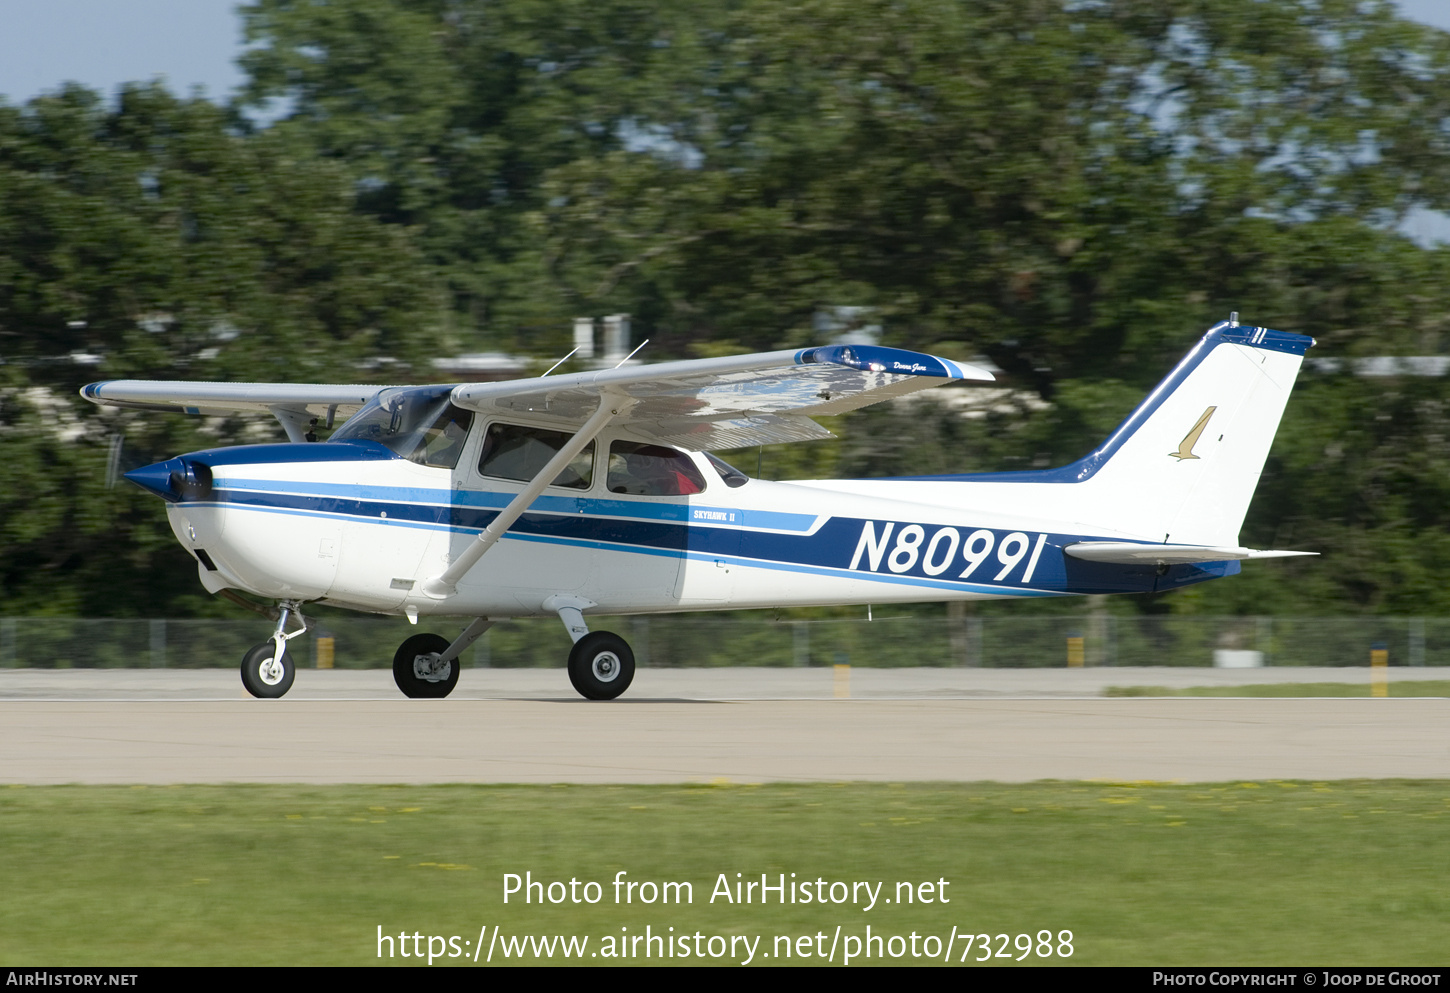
x,y
769,520
830,550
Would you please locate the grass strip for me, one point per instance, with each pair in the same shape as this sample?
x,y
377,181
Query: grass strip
x,y
1349,873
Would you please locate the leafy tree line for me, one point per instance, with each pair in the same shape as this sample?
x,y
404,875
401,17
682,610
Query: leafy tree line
x,y
1072,190
148,239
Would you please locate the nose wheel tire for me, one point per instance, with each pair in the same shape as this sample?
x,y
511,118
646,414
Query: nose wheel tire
x,y
264,676
601,666
418,672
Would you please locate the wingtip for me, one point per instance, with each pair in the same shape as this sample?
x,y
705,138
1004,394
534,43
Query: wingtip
x,y
966,370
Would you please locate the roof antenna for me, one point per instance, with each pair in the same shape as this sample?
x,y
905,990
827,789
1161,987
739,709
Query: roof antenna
x,y
561,361
633,353
1233,319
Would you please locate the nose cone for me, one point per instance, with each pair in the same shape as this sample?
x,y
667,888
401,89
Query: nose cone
x,y
175,479
156,479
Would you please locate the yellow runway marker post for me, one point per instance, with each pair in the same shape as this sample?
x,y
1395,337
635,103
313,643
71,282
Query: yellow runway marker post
x,y
1379,669
324,652
843,682
1075,651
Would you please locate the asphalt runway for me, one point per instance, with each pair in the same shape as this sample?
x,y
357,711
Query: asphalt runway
x,y
735,684
745,725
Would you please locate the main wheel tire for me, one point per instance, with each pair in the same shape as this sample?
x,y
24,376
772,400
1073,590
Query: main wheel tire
x,y
601,665
264,679
417,675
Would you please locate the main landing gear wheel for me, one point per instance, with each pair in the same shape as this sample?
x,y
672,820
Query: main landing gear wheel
x,y
418,672
263,675
601,666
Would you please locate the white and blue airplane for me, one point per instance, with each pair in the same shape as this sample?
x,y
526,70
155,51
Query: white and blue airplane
x,y
596,493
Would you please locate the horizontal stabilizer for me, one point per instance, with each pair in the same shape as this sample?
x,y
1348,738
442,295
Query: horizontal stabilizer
x,y
1136,553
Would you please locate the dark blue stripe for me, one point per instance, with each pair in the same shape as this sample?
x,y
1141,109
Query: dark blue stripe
x,y
833,546
1268,339
548,503
877,358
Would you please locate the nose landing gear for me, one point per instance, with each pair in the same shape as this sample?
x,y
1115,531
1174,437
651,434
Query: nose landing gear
x,y
268,670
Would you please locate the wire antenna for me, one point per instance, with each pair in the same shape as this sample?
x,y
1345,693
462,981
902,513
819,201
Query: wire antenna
x,y
633,353
561,361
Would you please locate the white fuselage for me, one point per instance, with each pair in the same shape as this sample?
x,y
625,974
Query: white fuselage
x,y
366,534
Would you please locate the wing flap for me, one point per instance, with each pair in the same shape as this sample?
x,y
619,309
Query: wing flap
x,y
742,432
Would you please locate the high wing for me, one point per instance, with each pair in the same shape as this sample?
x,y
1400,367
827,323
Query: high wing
x,y
315,399
294,405
700,404
731,402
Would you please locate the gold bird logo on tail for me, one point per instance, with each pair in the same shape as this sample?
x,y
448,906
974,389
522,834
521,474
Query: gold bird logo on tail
x,y
1185,447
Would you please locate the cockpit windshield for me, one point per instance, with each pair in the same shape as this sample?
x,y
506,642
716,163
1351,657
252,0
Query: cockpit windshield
x,y
419,424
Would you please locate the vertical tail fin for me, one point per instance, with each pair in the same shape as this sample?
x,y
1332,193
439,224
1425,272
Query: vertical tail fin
x,y
1183,466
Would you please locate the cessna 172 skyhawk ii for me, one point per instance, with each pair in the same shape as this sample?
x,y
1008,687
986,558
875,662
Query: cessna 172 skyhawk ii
x,y
596,493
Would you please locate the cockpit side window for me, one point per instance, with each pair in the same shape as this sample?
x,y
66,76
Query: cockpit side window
x,y
511,451
732,476
651,470
442,442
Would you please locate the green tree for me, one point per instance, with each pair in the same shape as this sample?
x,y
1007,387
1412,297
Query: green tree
x,y
1070,189
149,240
450,114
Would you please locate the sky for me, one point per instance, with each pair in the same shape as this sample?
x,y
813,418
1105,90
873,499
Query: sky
x,y
188,43
104,43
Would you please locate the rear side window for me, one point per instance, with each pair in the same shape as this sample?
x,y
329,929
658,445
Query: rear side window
x,y
511,451
652,470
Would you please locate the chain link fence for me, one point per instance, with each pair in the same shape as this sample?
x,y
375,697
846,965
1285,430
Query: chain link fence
x,y
715,640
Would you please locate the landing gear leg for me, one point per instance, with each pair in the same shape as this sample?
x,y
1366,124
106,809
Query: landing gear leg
x,y
601,664
268,670
426,665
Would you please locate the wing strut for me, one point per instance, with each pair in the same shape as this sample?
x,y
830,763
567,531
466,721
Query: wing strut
x,y
445,584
